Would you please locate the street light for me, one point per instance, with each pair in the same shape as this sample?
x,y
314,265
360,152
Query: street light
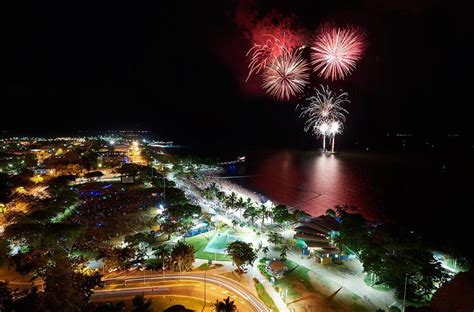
x,y
144,270
209,262
405,291
164,265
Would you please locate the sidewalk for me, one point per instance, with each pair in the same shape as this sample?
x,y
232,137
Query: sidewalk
x,y
352,282
281,305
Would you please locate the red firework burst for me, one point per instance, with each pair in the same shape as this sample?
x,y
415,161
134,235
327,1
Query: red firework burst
x,y
271,40
260,54
286,76
337,50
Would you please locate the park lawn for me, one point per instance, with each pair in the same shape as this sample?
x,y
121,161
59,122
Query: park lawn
x,y
297,282
379,287
200,242
87,254
265,297
162,303
206,266
223,240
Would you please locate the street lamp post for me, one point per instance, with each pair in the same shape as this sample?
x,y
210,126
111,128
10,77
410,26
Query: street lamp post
x,y
405,291
163,270
209,262
164,188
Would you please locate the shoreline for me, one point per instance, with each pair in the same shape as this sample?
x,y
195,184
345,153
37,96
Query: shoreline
x,y
228,187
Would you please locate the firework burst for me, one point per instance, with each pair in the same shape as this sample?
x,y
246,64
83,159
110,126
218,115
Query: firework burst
x,y
324,110
337,50
260,54
286,75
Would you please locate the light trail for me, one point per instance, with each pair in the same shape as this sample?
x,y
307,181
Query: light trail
x,y
223,282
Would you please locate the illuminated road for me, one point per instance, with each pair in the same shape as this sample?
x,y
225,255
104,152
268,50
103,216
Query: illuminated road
x,y
217,288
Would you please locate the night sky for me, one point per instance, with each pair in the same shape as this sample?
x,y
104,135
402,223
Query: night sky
x,y
179,69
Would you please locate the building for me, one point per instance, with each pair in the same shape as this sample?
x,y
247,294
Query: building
x,y
316,237
276,268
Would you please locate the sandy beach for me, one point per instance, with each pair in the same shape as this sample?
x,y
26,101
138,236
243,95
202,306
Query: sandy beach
x,y
228,187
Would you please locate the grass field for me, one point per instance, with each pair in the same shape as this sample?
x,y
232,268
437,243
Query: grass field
x,y
380,287
162,303
297,282
222,241
263,295
206,266
199,243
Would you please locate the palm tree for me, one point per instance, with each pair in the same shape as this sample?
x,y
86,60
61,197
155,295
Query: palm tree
x,y
183,256
140,304
162,252
207,218
169,227
283,251
251,212
248,203
275,238
186,225
231,200
214,187
240,205
264,212
224,306
208,194
222,197
235,223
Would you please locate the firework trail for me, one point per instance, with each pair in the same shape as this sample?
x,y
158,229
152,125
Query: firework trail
x,y
337,50
286,75
324,111
260,54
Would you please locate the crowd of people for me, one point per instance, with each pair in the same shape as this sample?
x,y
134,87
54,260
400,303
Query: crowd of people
x,y
111,210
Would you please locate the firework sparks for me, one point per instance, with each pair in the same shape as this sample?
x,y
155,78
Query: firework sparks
x,y
260,54
337,50
324,110
286,75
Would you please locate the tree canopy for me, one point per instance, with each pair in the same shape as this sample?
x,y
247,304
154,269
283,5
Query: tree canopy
x,y
182,256
242,254
392,253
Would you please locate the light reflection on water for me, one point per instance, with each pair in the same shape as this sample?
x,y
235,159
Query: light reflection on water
x,y
309,181
375,183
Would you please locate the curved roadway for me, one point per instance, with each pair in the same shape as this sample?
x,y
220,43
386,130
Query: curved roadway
x,y
243,294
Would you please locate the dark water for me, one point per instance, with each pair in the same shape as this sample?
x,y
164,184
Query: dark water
x,y
431,192
314,181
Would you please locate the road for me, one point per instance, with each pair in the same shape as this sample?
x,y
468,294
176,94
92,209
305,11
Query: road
x,y
188,284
